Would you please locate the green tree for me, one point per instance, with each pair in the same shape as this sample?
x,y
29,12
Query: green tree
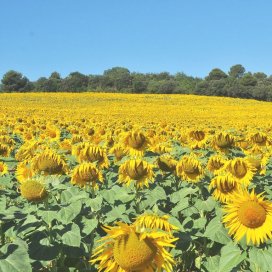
x,y
14,81
248,80
120,77
216,74
237,71
75,82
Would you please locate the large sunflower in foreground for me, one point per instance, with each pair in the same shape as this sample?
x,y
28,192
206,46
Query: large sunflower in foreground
x,y
224,187
241,170
138,170
248,214
129,248
86,174
189,169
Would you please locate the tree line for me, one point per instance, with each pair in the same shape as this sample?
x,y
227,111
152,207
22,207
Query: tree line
x,y
237,82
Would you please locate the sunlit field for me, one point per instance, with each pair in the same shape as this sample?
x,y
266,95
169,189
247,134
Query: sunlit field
x,y
134,183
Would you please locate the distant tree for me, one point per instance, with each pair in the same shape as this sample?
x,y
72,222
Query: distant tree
x,y
119,76
55,75
14,81
216,74
248,80
237,71
75,82
260,75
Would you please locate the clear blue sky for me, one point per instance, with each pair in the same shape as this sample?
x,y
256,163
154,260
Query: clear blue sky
x,y
38,37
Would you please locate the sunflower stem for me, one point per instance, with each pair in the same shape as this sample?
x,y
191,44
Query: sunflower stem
x,y
137,200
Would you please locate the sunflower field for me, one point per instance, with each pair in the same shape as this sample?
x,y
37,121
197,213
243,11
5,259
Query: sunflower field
x,y
134,183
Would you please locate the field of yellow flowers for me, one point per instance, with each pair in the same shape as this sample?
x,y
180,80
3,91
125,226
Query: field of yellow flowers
x,y
134,183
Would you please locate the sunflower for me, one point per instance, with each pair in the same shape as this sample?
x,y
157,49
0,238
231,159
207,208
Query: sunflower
x,y
240,169
197,138
138,170
118,151
224,187
135,142
92,153
3,168
248,214
222,141
128,248
24,172
49,163
85,174
259,138
166,163
259,162
189,169
216,163
154,221
33,190
52,133
4,150
66,146
27,151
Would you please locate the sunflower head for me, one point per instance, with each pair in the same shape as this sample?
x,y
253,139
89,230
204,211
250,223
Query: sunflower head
x,y
241,170
197,138
258,162
33,190
216,163
3,168
118,151
4,150
189,169
259,138
138,170
224,187
129,248
135,141
249,215
166,163
49,163
93,153
24,172
86,174
223,141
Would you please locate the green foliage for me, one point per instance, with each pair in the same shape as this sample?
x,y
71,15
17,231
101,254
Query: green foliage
x,y
236,83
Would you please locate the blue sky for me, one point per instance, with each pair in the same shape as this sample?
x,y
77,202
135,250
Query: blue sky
x,y
89,36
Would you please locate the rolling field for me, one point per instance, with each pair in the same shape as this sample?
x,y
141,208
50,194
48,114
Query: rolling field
x,y
134,182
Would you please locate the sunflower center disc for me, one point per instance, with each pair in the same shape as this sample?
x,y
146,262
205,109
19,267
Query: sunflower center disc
x,y
252,214
226,187
131,254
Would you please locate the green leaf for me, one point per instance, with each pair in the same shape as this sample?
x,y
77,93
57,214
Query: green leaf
x,y
89,225
207,205
212,263
231,257
14,257
216,232
182,193
47,216
260,260
95,203
67,214
182,204
72,237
